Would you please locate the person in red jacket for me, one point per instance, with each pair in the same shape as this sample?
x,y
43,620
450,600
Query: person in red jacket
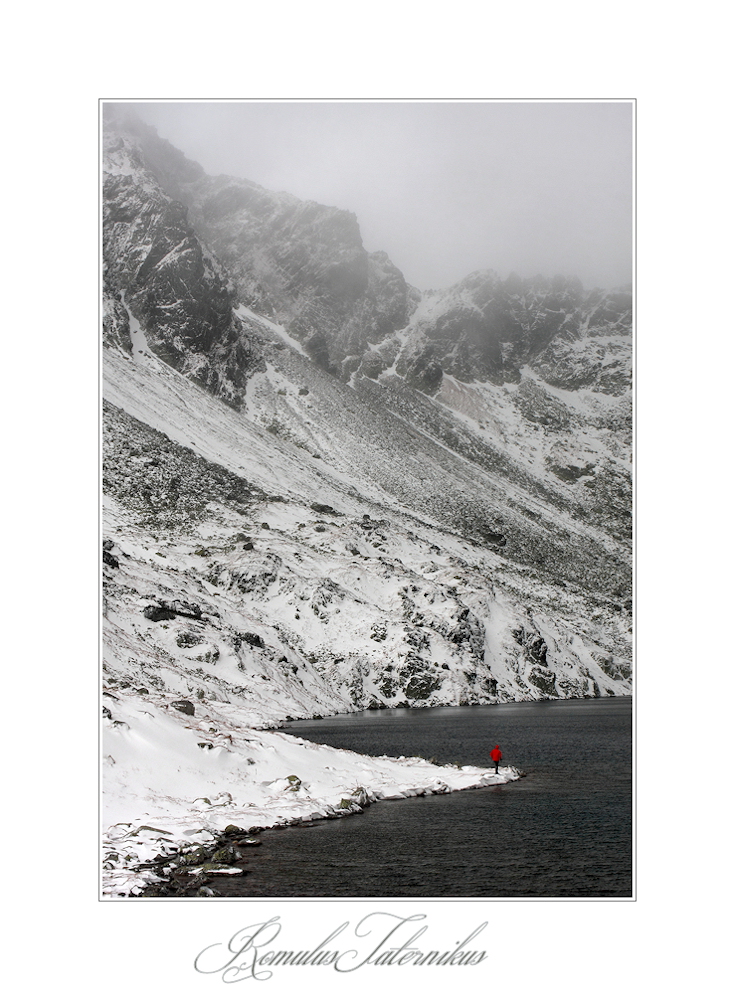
x,y
496,756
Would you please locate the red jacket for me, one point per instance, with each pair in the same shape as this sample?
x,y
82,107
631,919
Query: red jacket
x,y
496,754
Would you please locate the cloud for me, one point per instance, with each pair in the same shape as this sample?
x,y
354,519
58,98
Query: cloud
x,y
444,188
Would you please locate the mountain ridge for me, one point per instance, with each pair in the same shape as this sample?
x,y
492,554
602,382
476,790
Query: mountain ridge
x,y
304,265
490,421
326,492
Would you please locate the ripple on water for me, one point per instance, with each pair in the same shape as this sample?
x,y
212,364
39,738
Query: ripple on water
x,y
564,830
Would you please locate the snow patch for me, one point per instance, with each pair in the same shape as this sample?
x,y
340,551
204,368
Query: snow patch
x,y
244,313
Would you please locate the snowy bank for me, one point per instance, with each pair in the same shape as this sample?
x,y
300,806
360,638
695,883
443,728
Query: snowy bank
x,y
174,779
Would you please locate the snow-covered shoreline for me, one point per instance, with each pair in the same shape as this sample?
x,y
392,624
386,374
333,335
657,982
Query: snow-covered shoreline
x,y
174,781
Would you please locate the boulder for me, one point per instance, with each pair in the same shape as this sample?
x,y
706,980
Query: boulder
x,y
183,705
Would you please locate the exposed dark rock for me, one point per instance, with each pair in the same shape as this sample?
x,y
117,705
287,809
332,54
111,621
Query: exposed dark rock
x,y
324,508
424,372
250,638
225,855
372,365
539,406
174,493
166,610
304,265
158,613
186,609
488,329
544,680
158,272
300,263
183,705
533,645
185,640
109,559
571,473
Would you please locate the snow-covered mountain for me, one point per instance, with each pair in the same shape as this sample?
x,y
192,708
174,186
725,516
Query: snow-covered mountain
x,y
326,491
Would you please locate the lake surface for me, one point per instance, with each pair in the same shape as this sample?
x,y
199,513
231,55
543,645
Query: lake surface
x,y
564,830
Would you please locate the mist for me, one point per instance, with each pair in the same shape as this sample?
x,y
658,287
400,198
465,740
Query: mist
x,y
445,188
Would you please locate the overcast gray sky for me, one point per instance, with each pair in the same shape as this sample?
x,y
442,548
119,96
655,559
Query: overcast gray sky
x,y
444,188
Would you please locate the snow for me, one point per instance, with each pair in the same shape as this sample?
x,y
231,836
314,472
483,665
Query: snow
x,y
244,313
168,401
216,871
175,778
296,615
164,790
490,411
172,779
142,354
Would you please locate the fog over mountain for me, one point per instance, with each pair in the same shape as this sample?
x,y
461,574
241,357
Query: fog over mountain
x,y
445,187
327,490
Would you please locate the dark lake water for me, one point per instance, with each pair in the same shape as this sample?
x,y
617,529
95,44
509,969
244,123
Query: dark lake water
x,y
564,830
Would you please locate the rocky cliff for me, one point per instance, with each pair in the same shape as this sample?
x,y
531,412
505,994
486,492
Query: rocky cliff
x,y
488,330
160,277
394,497
299,263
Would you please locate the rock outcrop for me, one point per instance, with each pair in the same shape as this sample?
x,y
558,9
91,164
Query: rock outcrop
x,y
161,281
409,500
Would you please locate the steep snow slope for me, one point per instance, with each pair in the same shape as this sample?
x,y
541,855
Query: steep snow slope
x,y
561,357
247,584
445,522
388,607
